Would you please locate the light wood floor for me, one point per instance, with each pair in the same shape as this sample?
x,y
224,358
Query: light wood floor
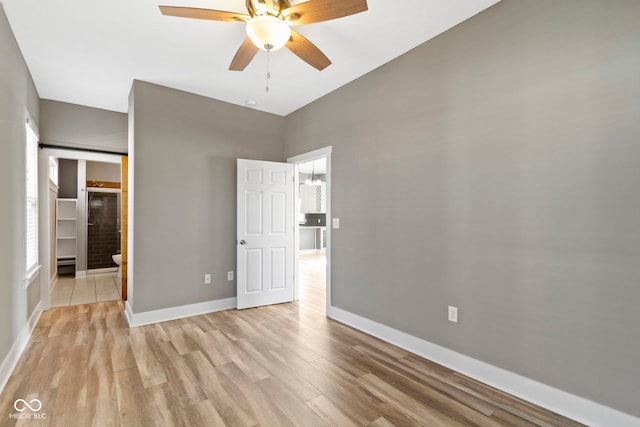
x,y
280,365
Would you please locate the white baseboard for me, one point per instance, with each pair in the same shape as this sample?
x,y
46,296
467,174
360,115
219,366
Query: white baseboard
x,y
9,363
172,313
80,274
102,271
561,402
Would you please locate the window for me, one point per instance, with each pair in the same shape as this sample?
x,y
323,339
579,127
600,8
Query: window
x,y
31,211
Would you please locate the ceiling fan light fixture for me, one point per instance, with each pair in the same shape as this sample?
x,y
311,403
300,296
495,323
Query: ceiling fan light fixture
x,y
268,32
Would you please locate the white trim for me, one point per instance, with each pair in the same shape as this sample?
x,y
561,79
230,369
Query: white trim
x,y
104,190
561,402
11,360
31,276
311,155
96,271
72,154
52,283
172,313
81,274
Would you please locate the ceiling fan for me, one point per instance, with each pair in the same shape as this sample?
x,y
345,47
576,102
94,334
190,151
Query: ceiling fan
x,y
269,24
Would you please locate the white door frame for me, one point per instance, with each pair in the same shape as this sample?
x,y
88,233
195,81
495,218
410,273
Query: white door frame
x,y
296,160
43,209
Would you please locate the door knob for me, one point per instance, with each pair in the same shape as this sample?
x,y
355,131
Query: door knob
x,y
242,242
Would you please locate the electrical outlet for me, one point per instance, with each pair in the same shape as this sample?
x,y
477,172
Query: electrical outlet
x,y
207,279
453,314
229,275
335,222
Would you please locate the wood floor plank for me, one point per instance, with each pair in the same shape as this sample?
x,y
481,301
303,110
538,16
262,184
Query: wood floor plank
x,y
349,395
181,341
209,379
215,345
380,422
425,379
262,406
182,380
250,366
419,413
202,414
513,405
52,362
164,403
294,408
133,404
148,365
71,395
330,413
121,354
102,401
343,393
276,366
463,411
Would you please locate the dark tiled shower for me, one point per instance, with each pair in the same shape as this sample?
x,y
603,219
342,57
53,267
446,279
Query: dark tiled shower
x,y
104,225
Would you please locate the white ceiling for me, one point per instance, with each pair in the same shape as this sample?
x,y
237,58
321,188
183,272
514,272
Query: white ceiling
x,y
88,52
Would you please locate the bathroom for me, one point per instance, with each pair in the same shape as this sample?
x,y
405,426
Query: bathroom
x,y
86,226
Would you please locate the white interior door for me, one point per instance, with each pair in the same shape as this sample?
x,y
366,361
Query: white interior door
x,y
265,236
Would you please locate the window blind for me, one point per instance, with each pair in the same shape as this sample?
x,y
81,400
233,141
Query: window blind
x,y
31,232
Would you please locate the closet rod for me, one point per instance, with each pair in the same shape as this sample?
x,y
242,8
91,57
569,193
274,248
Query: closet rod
x,y
86,150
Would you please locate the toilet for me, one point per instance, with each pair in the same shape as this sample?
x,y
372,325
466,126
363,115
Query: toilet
x,y
117,258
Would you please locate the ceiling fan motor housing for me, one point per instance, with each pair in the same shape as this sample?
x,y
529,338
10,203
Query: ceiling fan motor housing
x,y
261,7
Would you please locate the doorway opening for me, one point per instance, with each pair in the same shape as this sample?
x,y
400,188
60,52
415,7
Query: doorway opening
x,y
312,231
82,193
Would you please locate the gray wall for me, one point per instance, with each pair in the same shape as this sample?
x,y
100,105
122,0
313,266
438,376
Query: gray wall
x,y
67,178
184,152
17,94
77,126
496,168
101,171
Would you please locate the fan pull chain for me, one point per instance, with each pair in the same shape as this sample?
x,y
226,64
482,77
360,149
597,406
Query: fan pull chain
x,y
268,70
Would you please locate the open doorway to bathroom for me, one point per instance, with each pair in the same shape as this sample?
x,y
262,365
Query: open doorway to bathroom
x,y
313,205
84,230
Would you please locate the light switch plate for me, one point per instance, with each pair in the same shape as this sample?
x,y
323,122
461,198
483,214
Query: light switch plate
x,y
453,314
335,222
207,279
229,275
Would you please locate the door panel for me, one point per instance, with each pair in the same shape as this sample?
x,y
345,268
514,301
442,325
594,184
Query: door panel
x,y
265,233
254,267
278,268
254,218
278,214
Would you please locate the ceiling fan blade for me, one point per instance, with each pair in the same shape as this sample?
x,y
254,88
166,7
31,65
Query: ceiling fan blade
x,y
209,14
322,10
244,56
307,51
